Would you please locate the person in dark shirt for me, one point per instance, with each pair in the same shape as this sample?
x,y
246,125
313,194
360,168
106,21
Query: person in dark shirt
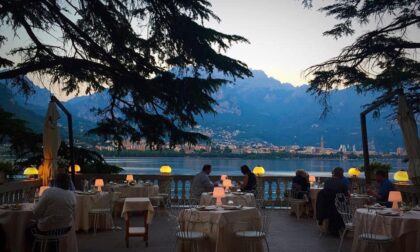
x,y
335,184
384,187
300,184
249,183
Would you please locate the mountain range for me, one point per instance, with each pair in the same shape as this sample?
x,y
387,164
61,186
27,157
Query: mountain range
x,y
256,109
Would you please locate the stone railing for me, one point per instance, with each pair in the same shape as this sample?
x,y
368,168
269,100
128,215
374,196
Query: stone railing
x,y
271,189
18,191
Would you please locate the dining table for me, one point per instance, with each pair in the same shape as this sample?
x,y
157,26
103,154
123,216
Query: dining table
x,y
236,198
220,225
15,221
132,191
403,228
138,204
85,201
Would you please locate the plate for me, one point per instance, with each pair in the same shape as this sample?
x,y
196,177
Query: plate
x,y
375,206
387,213
231,207
415,208
4,207
209,208
238,193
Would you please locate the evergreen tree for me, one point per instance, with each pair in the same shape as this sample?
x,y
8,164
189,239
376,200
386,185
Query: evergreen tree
x,y
154,57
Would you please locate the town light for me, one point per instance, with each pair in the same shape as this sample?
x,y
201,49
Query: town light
x,y
258,170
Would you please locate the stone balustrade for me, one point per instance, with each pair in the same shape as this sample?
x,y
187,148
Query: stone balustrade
x,y
18,191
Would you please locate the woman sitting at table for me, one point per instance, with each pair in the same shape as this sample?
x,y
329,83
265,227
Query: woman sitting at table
x,y
300,184
249,182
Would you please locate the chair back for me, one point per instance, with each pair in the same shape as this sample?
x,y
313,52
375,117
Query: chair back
x,y
190,221
375,227
342,204
105,201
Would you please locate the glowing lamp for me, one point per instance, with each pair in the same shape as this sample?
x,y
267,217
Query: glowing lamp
x,y
218,193
223,177
354,172
129,178
42,189
30,172
312,179
227,183
76,168
401,176
99,183
165,169
258,170
395,197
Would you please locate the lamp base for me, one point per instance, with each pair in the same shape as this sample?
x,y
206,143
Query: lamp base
x,y
395,205
218,201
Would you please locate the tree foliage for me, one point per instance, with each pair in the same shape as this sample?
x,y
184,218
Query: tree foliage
x,y
130,48
383,59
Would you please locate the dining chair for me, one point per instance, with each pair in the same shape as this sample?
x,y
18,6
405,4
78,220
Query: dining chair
x,y
298,201
249,237
186,232
102,209
131,231
53,237
369,235
342,203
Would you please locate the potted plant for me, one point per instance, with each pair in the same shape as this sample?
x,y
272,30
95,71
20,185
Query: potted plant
x,y
376,165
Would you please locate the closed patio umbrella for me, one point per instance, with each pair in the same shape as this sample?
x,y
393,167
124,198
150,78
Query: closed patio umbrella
x,y
410,134
51,143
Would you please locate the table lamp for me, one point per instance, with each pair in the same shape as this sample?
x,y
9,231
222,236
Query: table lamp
x,y
129,178
99,183
223,177
354,172
165,170
31,172
395,197
312,179
227,183
76,168
218,193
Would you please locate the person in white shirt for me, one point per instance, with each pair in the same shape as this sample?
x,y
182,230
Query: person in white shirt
x,y
201,182
56,207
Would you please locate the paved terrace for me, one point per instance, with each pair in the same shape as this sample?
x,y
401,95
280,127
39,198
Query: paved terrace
x,y
286,234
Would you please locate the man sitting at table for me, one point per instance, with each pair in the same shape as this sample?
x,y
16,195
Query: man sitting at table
x,y
201,182
385,186
61,170
336,184
56,207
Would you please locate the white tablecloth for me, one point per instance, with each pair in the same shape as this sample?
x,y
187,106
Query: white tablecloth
x,y
84,203
138,205
246,199
404,229
220,226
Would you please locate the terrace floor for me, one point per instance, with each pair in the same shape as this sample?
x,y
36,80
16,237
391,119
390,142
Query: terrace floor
x,y
286,234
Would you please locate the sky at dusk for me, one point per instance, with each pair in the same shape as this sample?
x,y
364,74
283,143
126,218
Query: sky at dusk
x,y
285,38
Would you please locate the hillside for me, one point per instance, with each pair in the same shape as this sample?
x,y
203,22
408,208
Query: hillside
x,y
264,109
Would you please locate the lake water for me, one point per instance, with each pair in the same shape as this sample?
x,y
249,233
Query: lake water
x,y
231,166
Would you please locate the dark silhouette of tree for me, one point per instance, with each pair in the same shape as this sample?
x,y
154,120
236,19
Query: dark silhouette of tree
x,y
154,57
384,59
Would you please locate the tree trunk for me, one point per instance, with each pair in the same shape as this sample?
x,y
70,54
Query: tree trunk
x,y
409,130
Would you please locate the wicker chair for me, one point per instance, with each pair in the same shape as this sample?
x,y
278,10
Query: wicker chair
x,y
344,209
249,238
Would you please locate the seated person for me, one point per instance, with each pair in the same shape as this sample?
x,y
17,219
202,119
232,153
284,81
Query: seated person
x,y
249,182
201,182
62,171
300,185
335,184
384,187
56,208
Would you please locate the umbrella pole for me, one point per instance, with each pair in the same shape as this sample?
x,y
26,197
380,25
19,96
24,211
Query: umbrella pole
x,y
71,139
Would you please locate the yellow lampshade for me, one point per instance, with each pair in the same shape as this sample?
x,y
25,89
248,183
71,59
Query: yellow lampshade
x,y
76,168
354,172
223,177
165,169
395,197
218,193
227,183
30,171
401,176
258,170
99,183
42,189
129,178
312,179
